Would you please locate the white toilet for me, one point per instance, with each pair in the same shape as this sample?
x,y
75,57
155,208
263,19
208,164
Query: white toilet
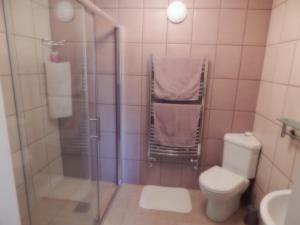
x,y
223,186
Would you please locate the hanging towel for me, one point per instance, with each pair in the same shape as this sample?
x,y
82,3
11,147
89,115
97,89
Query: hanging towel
x,y
176,125
58,78
177,78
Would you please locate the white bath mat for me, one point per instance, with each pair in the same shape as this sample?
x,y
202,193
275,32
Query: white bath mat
x,y
166,199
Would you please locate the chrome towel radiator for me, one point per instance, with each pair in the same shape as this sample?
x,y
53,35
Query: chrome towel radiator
x,y
157,151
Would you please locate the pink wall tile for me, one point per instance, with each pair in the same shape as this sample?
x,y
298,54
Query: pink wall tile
x,y
264,173
145,90
144,120
285,155
232,25
247,95
271,100
291,22
206,123
156,3
108,167
108,145
284,62
234,4
276,22
188,3
257,27
4,58
278,2
157,33
107,3
22,18
252,62
26,62
151,49
144,147
242,122
271,133
132,20
209,90
105,91
189,177
257,196
223,94
107,114
214,152
205,26
131,171
178,50
130,3
2,27
132,90
150,175
227,67
104,30
258,126
105,58
260,4
295,78
207,3
181,33
131,146
131,119
296,165
278,180
269,62
133,59
220,122
207,51
170,174
292,106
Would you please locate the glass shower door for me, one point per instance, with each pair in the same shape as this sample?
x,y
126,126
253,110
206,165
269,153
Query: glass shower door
x,y
52,69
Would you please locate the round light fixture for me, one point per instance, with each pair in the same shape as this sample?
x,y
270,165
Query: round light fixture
x,y
176,12
64,11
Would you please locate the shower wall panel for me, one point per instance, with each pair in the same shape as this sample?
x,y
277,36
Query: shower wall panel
x,y
43,160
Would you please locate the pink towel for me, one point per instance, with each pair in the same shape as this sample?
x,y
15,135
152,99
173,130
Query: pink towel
x,y
177,78
176,125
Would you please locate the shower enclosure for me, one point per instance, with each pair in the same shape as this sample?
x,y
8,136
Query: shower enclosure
x,y
63,110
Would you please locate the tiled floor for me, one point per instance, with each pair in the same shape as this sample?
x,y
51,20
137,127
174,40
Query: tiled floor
x,y
72,202
125,210
66,205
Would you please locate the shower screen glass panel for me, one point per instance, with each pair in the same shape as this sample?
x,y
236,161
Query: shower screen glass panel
x,y
65,174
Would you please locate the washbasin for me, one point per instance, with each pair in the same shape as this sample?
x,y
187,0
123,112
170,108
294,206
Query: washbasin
x,y
274,206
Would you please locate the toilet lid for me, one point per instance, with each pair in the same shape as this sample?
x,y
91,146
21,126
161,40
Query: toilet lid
x,y
220,180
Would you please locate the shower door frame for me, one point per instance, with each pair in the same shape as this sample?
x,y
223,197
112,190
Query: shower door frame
x,y
118,65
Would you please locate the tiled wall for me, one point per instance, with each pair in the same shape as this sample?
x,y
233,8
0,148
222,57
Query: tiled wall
x,y
30,23
279,96
230,33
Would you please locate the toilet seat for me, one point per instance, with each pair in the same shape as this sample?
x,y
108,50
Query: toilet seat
x,y
222,181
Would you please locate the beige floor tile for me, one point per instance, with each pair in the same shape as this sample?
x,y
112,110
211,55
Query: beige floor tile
x,y
125,210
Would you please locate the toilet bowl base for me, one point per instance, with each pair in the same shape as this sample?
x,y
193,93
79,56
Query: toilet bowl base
x,y
220,211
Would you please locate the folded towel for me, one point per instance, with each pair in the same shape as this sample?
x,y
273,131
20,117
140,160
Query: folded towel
x,y
58,76
177,78
176,125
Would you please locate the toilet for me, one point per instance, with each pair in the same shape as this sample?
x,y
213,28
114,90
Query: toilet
x,y
223,186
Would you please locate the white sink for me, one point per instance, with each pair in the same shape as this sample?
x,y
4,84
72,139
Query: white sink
x,y
274,206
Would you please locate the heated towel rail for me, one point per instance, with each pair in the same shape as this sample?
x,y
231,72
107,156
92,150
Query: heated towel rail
x,y
155,150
